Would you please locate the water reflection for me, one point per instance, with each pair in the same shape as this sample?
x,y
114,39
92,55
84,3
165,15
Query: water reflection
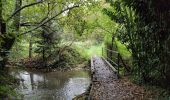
x,y
51,86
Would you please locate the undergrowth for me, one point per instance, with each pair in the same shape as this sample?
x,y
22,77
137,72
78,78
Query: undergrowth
x,y
7,86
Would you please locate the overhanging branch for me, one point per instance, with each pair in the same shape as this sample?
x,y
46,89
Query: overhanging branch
x,y
15,12
46,21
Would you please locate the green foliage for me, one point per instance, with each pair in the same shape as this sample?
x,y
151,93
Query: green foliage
x,y
108,39
145,32
48,41
122,49
7,86
161,94
19,51
68,59
6,91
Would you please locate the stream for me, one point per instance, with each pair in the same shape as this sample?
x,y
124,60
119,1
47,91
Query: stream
x,y
51,86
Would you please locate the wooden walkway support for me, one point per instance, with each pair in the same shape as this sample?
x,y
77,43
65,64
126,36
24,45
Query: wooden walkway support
x,y
109,59
101,72
117,61
104,81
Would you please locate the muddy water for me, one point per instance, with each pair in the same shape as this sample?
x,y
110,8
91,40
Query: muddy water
x,y
51,86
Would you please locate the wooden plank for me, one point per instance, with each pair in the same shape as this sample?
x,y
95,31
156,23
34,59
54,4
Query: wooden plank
x,y
103,74
111,50
114,69
112,61
92,65
92,73
91,91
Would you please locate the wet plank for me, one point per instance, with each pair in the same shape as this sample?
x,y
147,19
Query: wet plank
x,y
105,84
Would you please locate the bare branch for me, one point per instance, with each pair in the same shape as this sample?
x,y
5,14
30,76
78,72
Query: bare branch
x,y
28,24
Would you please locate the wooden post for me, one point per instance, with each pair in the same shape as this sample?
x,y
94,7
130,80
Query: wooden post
x,y
30,46
102,51
118,64
111,53
107,55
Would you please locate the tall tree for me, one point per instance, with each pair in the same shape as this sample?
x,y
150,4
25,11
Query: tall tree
x,y
8,39
16,22
43,16
145,30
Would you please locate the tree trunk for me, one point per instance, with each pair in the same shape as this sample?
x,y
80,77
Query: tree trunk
x,y
44,50
32,80
16,23
2,31
30,47
1,16
8,39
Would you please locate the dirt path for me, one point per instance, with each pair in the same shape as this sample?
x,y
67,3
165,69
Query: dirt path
x,y
106,86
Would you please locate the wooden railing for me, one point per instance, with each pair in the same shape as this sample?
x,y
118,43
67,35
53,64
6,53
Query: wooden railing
x,y
109,58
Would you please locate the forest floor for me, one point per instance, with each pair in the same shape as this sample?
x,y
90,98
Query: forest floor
x,y
106,85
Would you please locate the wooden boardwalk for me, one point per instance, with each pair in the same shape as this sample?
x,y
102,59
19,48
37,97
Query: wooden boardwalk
x,y
105,84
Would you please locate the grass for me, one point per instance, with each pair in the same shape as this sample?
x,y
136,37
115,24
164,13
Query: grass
x,y
94,50
87,49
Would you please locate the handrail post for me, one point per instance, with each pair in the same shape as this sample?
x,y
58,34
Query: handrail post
x,y
107,54
118,65
102,52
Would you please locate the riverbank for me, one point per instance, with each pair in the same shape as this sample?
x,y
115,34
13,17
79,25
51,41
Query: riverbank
x,y
83,66
70,59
